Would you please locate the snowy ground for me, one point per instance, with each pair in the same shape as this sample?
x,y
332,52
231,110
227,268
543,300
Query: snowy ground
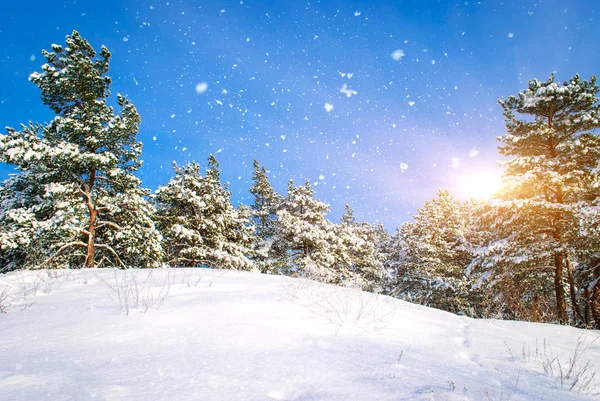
x,y
198,334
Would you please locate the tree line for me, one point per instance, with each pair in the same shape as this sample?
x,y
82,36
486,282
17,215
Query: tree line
x,y
532,252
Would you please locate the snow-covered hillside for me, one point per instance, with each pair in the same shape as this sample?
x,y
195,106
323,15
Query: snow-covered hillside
x,y
198,334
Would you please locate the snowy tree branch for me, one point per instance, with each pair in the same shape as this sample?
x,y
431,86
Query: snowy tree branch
x,y
61,249
108,248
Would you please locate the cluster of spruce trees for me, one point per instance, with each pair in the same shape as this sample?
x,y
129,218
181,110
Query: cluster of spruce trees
x,y
75,201
532,252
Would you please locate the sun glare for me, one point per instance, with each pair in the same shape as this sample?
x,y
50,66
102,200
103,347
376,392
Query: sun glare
x,y
480,185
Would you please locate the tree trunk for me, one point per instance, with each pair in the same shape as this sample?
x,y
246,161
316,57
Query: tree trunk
x,y
561,305
90,254
577,316
586,309
536,312
593,297
595,313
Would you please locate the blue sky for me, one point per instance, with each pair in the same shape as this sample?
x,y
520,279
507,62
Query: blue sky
x,y
255,79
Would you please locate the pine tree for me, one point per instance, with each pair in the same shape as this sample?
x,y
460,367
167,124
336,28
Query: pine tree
x,y
433,253
24,235
359,260
306,235
514,291
391,247
553,153
200,224
348,218
72,169
587,272
264,216
587,267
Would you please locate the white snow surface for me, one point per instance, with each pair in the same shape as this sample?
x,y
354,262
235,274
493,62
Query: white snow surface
x,y
202,334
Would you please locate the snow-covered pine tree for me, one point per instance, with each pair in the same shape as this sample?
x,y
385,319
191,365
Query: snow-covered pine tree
x,y
359,260
24,238
587,271
264,217
382,238
306,235
391,247
554,151
513,291
433,253
200,224
348,218
71,201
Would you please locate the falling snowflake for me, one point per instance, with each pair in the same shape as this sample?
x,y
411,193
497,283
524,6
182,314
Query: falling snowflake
x,y
328,107
403,167
201,87
347,91
398,54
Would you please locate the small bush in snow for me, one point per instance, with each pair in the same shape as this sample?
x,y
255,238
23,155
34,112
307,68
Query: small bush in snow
x,y
132,289
5,298
574,374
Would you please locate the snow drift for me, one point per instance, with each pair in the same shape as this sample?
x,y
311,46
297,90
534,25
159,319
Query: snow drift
x,y
200,334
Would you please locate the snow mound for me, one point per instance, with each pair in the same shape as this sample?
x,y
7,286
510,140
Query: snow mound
x,y
201,334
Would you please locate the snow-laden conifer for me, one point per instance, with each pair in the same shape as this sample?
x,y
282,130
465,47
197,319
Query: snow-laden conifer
x,y
306,235
358,258
264,210
553,153
74,190
200,224
432,254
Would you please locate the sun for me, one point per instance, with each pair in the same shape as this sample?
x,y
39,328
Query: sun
x,y
482,185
